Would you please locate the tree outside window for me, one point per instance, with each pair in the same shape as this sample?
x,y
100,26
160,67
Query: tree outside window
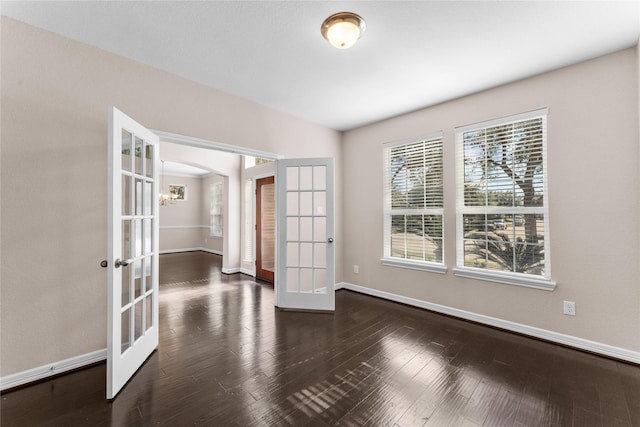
x,y
502,204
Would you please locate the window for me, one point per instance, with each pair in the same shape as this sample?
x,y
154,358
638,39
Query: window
x,y
413,204
215,208
251,161
502,209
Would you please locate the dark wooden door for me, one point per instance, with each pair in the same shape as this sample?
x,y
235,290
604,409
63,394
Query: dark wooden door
x,y
265,228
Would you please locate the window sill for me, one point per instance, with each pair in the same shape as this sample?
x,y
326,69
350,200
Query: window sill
x,y
505,278
415,265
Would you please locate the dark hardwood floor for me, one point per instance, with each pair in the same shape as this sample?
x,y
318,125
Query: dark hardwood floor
x,y
227,357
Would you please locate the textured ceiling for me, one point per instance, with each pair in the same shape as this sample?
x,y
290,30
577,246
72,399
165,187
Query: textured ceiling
x,y
414,54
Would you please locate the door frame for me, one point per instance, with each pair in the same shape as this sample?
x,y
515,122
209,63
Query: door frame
x,y
194,142
211,145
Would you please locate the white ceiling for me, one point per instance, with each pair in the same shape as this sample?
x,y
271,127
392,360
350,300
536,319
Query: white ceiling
x,y
182,169
414,53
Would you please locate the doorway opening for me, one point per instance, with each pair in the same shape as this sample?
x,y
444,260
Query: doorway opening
x,y
240,169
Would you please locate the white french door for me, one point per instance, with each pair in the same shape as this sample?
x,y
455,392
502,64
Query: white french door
x,y
132,331
305,276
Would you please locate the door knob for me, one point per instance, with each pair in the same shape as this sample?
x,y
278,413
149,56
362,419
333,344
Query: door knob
x,y
330,240
122,263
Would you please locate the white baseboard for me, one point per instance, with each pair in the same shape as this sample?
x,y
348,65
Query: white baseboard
x,y
556,337
231,270
248,271
182,227
211,251
51,369
175,251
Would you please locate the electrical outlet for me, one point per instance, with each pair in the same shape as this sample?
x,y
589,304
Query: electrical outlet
x,y
569,308
356,270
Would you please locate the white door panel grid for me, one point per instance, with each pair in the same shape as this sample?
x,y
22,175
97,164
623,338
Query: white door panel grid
x,y
305,276
132,324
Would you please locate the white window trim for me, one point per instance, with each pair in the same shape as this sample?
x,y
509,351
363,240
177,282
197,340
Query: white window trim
x,y
430,266
504,277
433,267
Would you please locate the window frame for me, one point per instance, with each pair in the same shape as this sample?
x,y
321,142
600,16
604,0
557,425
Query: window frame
x,y
388,211
507,277
216,203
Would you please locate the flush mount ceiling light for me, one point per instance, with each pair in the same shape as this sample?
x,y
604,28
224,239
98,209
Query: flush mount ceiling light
x,y
343,29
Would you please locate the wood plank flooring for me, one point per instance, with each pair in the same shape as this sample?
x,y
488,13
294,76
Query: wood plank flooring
x,y
228,358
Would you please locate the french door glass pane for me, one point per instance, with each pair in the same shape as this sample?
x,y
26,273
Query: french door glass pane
x,y
306,280
138,197
126,194
320,178
320,203
293,256
306,230
292,179
320,281
148,309
306,177
126,150
138,278
292,229
306,254
137,230
148,224
125,341
147,273
148,154
320,229
148,198
306,203
292,280
126,285
126,239
320,255
138,151
138,327
292,203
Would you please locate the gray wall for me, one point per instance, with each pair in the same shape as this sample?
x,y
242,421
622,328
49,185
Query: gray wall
x,y
56,97
594,190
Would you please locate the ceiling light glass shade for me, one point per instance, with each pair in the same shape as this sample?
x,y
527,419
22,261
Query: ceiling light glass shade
x,y
343,29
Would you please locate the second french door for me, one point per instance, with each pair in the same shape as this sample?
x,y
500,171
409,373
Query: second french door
x,y
305,276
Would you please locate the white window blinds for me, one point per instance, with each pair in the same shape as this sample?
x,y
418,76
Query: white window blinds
x,y
413,200
502,213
